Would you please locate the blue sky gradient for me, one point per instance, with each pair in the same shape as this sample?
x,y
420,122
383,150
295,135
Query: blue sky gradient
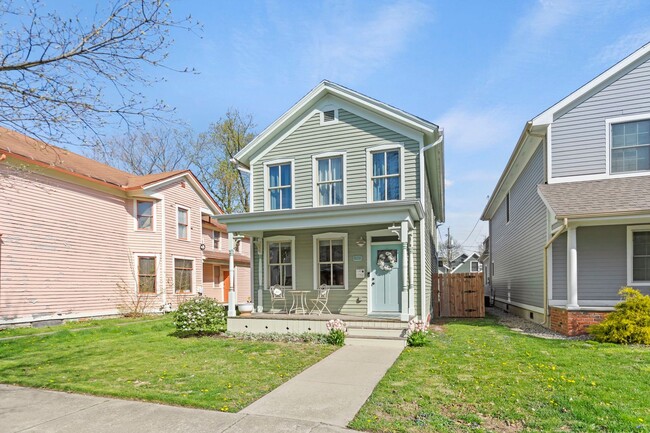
x,y
479,69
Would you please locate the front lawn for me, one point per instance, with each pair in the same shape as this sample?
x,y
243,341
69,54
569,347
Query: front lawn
x,y
143,361
478,376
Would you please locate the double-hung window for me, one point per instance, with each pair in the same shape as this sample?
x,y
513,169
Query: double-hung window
x,y
280,186
183,221
183,270
638,255
331,263
215,240
329,183
280,264
386,175
144,211
630,146
146,274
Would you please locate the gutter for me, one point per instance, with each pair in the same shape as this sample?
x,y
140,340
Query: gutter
x,y
240,166
557,234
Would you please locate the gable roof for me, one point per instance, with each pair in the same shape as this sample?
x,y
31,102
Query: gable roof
x,y
56,158
536,128
470,256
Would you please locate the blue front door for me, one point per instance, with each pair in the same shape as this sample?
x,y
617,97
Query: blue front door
x,y
385,278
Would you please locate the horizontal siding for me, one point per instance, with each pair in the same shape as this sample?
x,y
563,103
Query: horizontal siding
x,y
517,246
578,136
352,134
559,268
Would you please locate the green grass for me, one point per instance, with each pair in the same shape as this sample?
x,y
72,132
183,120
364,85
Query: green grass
x,y
479,376
73,325
143,361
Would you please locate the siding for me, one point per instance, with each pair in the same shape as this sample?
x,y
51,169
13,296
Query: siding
x,y
63,246
517,246
351,134
578,136
559,268
430,243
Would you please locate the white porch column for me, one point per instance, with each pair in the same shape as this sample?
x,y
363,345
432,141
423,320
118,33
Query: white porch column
x,y
411,279
231,291
572,269
404,236
259,245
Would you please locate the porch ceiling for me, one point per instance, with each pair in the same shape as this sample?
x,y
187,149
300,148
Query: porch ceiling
x,y
348,215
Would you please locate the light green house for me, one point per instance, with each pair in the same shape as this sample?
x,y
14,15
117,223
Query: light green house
x,y
345,191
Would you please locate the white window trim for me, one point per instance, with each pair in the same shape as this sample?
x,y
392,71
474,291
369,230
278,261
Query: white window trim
x,y
268,240
383,148
193,292
608,132
478,268
331,237
322,115
267,195
136,269
189,223
314,184
135,215
630,254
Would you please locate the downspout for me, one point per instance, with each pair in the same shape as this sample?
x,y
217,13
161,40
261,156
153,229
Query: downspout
x,y
557,234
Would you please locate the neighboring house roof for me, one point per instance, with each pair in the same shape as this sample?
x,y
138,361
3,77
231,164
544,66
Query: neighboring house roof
x,y
535,129
211,222
433,140
56,158
619,196
221,256
467,259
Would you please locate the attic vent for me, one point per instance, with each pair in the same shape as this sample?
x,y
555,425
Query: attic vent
x,y
329,116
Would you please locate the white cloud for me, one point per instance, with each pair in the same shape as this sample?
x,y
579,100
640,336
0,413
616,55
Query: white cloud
x,y
448,183
351,49
547,16
623,47
472,129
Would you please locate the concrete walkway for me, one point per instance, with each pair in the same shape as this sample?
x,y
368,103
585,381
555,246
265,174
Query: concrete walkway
x,y
333,390
322,399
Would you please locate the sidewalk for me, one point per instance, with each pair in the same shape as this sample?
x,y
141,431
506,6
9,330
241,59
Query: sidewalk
x,y
322,399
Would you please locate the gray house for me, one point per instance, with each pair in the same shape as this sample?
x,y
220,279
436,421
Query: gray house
x,y
346,192
570,216
469,263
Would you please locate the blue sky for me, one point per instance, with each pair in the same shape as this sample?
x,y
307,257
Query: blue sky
x,y
479,69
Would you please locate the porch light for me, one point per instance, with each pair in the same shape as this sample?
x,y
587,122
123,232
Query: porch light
x,y
361,242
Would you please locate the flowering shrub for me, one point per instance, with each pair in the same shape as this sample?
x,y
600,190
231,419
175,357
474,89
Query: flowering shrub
x,y
200,316
337,329
629,323
417,334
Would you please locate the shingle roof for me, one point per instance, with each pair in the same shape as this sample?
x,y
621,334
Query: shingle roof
x,y
14,143
626,195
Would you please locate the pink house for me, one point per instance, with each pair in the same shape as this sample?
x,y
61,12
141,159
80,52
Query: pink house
x,y
82,239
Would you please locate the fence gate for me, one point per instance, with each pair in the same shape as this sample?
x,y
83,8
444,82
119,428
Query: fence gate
x,y
458,295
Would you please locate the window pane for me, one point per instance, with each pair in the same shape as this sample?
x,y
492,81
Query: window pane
x,y
337,275
378,192
324,251
285,252
275,199
285,174
323,169
337,168
641,270
145,208
286,198
324,194
393,188
182,232
392,162
147,284
274,176
274,253
144,222
326,274
274,275
378,164
337,193
147,265
182,216
641,243
337,251
288,280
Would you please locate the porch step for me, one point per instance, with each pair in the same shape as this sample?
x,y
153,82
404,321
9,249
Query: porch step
x,y
376,333
362,324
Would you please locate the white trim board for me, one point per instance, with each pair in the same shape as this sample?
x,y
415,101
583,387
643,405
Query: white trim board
x,y
267,195
314,173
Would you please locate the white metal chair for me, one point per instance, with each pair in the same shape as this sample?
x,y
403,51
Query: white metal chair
x,y
320,303
277,295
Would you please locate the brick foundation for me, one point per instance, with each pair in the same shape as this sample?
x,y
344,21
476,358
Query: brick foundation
x,y
573,323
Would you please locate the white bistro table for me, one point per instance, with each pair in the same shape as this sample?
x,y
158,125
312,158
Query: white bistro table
x,y
298,301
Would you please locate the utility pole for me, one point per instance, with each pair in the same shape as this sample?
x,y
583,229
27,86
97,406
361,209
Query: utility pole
x,y
448,250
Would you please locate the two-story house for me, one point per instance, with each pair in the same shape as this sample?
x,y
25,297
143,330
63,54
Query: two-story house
x,y
82,239
570,216
346,192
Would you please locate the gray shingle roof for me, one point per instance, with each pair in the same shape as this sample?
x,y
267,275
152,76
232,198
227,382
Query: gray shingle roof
x,y
626,195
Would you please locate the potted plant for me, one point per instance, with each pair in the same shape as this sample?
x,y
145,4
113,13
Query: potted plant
x,y
247,308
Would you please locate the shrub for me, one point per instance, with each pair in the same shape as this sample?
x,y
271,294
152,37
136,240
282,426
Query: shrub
x,y
337,329
417,333
200,316
629,323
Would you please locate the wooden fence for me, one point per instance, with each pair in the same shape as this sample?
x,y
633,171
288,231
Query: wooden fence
x,y
458,295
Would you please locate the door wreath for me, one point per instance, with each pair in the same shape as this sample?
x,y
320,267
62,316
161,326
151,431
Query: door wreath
x,y
386,259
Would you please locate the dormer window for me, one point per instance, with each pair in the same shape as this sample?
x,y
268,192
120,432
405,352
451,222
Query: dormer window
x,y
329,115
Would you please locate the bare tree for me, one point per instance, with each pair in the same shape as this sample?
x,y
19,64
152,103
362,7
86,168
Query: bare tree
x,y
71,76
449,249
146,152
212,160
